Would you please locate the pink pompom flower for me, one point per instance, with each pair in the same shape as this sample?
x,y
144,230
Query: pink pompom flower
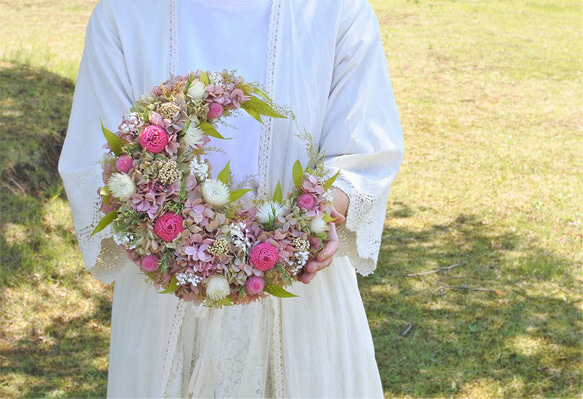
x,y
169,226
306,201
215,110
124,164
150,263
264,256
154,139
254,285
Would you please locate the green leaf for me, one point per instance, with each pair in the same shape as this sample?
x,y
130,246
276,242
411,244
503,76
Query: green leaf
x,y
277,196
278,291
260,92
298,173
204,78
112,139
224,174
235,195
327,218
210,130
253,113
104,222
225,302
173,286
262,108
328,183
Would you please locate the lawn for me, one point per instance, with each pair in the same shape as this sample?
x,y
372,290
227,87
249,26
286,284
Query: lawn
x,y
478,291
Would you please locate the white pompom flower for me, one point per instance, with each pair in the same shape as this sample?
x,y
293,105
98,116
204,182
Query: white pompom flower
x,y
217,287
196,90
121,186
215,192
193,136
318,225
269,211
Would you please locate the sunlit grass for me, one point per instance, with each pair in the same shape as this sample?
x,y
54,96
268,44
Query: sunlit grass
x,y
491,100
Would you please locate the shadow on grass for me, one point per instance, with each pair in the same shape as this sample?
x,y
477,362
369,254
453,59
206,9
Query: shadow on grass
x,y
520,340
59,348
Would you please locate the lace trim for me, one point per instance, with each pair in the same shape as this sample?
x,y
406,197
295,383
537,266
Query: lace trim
x,y
172,345
359,239
264,151
174,50
267,131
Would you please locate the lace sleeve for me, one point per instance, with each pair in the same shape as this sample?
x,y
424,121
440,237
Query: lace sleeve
x,y
102,93
362,134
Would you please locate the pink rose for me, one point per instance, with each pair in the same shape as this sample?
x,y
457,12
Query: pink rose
x,y
154,139
215,111
264,256
168,226
306,201
150,263
124,164
254,285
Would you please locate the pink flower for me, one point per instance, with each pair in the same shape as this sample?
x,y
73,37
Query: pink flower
x,y
154,139
254,285
306,201
124,163
238,97
215,110
168,226
150,263
264,256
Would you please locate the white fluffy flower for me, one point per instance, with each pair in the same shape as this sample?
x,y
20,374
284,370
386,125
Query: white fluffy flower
x,y
196,90
269,211
318,225
217,287
215,192
121,186
199,170
193,136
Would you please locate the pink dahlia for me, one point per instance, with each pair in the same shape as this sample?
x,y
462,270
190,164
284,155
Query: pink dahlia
x,y
150,263
215,110
264,256
306,201
168,226
254,285
154,139
124,164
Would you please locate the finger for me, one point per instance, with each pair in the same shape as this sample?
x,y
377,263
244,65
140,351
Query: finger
x,y
338,217
315,266
306,277
331,246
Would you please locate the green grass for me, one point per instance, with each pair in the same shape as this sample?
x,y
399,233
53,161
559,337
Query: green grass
x,y
491,101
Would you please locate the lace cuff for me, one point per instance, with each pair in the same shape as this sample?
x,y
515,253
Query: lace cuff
x,y
102,257
360,235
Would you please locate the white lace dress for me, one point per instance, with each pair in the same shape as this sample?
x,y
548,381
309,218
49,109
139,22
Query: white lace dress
x,y
324,60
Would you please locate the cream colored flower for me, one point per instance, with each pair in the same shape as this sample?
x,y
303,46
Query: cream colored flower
x,y
269,211
121,186
193,136
217,287
215,192
318,225
196,90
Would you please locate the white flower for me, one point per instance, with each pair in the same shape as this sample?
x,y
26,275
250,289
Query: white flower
x,y
215,192
193,136
121,186
269,211
196,90
217,287
199,170
318,225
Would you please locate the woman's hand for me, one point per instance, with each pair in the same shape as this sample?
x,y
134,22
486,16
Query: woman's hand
x,y
324,258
